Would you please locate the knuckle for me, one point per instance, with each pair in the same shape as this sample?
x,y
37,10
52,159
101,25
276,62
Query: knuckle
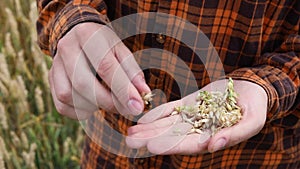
x,y
61,45
140,73
105,66
84,30
64,96
138,77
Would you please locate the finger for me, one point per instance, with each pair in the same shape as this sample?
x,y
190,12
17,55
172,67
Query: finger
x,y
69,111
159,112
65,109
143,138
158,124
250,125
82,78
180,144
104,60
166,109
124,111
86,83
63,88
139,140
115,77
131,68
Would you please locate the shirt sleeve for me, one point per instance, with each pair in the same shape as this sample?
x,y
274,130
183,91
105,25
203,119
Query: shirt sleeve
x,y
57,17
278,73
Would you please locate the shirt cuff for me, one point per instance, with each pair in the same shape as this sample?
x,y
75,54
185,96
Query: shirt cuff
x,y
248,75
69,17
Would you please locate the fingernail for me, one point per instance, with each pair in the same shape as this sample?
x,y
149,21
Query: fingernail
x,y
135,106
220,144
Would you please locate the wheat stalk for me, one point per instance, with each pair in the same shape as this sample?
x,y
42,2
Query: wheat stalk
x,y
32,134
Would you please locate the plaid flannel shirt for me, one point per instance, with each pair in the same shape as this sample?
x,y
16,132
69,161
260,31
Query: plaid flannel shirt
x,y
256,40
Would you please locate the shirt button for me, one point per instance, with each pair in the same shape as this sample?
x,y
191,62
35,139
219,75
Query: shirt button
x,y
160,38
141,161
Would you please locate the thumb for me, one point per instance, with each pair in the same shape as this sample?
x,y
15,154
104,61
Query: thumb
x,y
249,126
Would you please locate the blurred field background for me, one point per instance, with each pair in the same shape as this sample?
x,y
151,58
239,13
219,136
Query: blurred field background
x,y
32,134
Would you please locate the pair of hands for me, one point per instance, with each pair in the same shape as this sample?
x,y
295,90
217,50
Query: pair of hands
x,y
77,93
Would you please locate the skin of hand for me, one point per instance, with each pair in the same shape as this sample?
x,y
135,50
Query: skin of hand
x,y
88,48
163,134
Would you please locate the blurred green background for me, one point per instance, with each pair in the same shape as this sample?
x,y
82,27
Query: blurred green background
x,y
32,134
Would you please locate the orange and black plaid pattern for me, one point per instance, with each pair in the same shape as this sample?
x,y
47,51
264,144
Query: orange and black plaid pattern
x,y
256,40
